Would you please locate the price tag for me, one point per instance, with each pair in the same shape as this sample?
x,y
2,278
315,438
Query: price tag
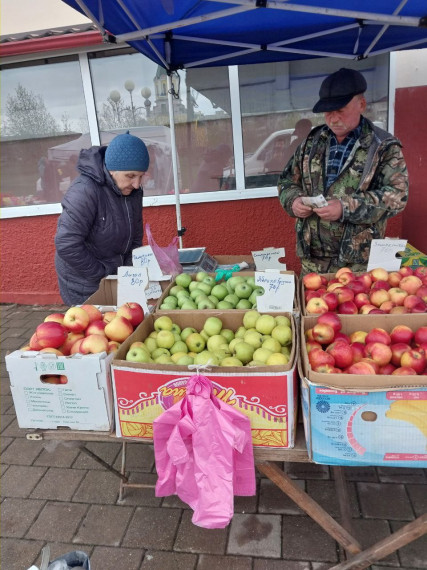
x,y
144,257
383,254
131,285
268,258
153,291
279,292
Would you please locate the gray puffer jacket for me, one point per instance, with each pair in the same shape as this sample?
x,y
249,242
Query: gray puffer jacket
x,y
98,228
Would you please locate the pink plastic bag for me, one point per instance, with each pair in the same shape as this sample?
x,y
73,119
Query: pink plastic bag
x,y
204,454
167,257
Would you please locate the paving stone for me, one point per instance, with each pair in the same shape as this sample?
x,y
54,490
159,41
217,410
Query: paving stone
x,y
152,528
22,452
58,454
274,500
5,442
12,332
58,484
19,481
19,554
18,515
267,564
98,487
207,562
245,504
5,421
304,538
320,566
144,496
418,496
104,524
57,520
192,538
6,402
139,457
158,560
13,430
3,468
255,535
307,471
414,555
384,501
324,493
106,558
174,502
401,475
369,532
11,343
106,451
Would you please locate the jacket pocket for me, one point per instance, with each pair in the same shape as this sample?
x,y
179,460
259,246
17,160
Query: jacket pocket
x,y
356,244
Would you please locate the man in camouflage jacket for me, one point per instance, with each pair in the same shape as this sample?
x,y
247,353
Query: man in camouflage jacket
x,y
365,186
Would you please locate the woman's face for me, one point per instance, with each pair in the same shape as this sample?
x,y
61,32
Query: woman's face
x,y
127,181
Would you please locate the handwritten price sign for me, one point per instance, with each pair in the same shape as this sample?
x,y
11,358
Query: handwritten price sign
x,y
383,254
279,291
131,285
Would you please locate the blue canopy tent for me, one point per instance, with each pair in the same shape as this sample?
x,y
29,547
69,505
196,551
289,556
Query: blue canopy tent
x,y
182,34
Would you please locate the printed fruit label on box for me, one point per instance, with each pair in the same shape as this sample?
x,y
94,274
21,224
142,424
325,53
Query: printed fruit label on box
x,y
141,396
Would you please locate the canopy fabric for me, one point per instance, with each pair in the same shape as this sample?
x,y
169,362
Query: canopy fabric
x,y
180,34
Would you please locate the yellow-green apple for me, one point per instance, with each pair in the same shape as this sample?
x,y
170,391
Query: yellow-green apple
x,y
265,324
186,332
277,359
282,333
358,351
118,329
312,281
378,334
195,342
358,336
51,350
151,344
380,284
404,371
220,291
183,279
420,336
108,316
410,284
331,319
55,317
200,275
228,334
93,312
379,352
95,327
342,353
378,296
378,274
233,343
164,359
262,354
94,344
406,270
177,355
51,334
178,346
347,308
401,333
75,349
331,300
364,368
272,344
415,359
397,349
113,346
366,309
185,360
216,342
361,299
387,369
311,344
170,302
316,306
254,338
394,278
206,357
398,310
188,305
212,325
282,320
323,333
205,288
69,341
76,319
224,305
133,312
165,339
158,352
317,357
414,304
231,361
163,323
244,352
137,354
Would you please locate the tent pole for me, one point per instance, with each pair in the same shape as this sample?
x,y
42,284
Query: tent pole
x,y
174,160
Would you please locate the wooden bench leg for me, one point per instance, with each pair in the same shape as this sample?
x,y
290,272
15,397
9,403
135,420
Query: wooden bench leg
x,y
309,505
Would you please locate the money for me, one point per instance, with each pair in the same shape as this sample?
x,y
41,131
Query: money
x,y
315,201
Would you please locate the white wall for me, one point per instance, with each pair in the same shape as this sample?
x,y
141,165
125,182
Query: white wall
x,y
411,68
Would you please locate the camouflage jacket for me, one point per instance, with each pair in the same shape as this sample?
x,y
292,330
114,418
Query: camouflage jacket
x,y
372,187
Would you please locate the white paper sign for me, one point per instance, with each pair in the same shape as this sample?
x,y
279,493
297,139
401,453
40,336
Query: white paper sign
x,y
131,285
279,292
153,291
268,258
144,257
383,254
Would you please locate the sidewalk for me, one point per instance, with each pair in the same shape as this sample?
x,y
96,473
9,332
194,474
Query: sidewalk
x,y
55,494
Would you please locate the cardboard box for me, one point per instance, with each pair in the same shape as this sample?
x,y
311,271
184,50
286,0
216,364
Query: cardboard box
x,y
85,402
267,395
365,420
234,260
413,257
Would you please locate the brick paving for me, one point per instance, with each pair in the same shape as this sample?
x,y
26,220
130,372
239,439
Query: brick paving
x,y
54,494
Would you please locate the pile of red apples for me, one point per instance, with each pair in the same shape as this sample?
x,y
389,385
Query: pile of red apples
x,y
86,330
374,292
401,351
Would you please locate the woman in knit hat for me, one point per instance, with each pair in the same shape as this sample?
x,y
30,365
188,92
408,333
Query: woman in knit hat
x,y
101,221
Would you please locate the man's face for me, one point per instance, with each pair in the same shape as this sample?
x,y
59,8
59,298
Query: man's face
x,y
127,181
344,120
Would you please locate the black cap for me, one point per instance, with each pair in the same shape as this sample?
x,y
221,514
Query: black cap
x,y
338,89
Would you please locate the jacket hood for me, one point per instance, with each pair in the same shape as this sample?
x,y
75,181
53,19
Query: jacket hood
x,y
91,163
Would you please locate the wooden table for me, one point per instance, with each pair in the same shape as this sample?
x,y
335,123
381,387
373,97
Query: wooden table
x,y
266,462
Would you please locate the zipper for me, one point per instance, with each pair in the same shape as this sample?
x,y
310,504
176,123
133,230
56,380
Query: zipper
x,y
130,228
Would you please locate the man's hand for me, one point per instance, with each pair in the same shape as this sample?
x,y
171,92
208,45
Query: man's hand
x,y
301,210
331,212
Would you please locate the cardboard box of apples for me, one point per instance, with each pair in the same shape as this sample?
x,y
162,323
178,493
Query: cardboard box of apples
x,y
62,377
364,389
374,292
249,357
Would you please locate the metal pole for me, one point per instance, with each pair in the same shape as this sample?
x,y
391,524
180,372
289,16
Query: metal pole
x,y
174,160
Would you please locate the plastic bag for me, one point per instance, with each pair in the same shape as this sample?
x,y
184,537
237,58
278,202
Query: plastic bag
x,y
167,257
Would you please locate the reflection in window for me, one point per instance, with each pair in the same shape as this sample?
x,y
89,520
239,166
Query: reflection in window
x,y
42,111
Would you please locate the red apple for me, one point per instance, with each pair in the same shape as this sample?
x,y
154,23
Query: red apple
x,y
334,285
309,335
75,349
317,357
366,279
108,316
346,277
331,300
347,308
378,335
421,271
378,296
414,304
387,306
327,369
331,319
342,270
361,368
379,352
69,341
341,336
410,284
323,333
422,292
380,284
397,350
311,344
51,334
401,333
93,312
76,319
378,274
55,317
366,309
311,294
312,281
344,294
406,270
387,369
397,295
398,310
358,351
377,312
34,343
372,363
51,350
358,336
113,345
342,353
357,287
361,299
132,311
394,278
414,359
316,306
96,327
94,344
420,336
404,371
118,329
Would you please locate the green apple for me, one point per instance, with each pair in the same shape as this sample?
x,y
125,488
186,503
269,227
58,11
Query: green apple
x,y
240,333
176,328
177,355
170,300
253,338
243,290
250,318
204,335
220,291
184,293
205,288
165,307
151,344
165,339
244,304
163,359
265,324
216,342
153,334
244,351
251,281
138,354
277,359
205,304
188,305
233,343
282,320
231,361
186,332
232,298
256,293
179,346
206,357
158,352
176,335
201,275
262,354
193,285
228,334
224,305
282,333
163,323
235,280
175,289
185,360
209,280
286,350
195,342
196,292
183,279
272,344
255,363
213,299
213,325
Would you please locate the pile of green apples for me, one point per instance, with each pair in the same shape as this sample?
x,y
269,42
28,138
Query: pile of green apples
x,y
261,340
201,291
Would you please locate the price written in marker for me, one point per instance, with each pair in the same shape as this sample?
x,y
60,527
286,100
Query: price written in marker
x,y
131,285
279,291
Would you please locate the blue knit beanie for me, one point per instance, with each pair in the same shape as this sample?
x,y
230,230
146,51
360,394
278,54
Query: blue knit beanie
x,y
126,152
